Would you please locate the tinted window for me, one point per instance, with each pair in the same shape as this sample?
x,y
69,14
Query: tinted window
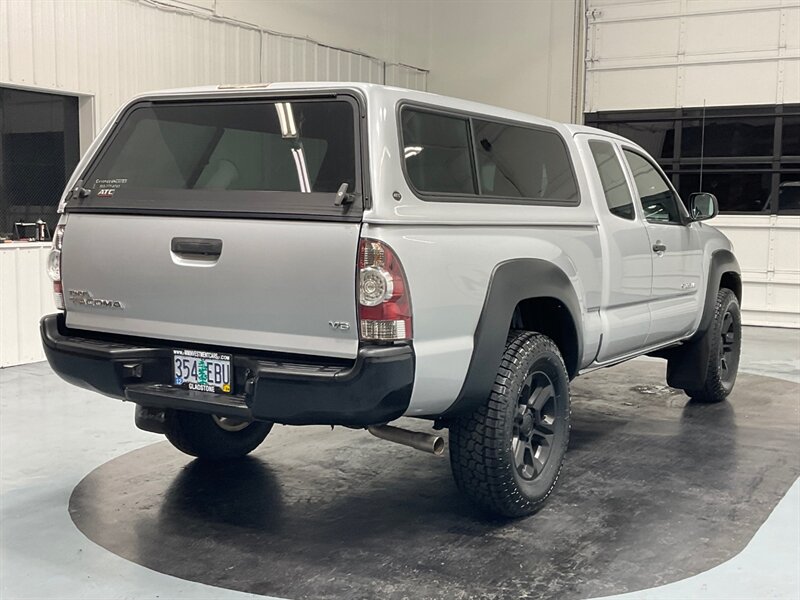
x,y
791,136
656,137
522,163
748,150
264,146
750,136
437,152
736,189
789,193
38,150
658,200
615,187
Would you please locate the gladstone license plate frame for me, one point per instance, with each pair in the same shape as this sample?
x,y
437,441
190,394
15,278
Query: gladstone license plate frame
x,y
201,371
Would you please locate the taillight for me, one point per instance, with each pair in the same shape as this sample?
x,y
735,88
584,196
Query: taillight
x,y
384,305
54,266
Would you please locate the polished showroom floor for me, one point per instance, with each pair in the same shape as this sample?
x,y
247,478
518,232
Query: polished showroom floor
x,y
660,498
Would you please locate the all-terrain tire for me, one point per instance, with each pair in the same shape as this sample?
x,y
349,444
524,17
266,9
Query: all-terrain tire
x,y
201,435
724,339
493,464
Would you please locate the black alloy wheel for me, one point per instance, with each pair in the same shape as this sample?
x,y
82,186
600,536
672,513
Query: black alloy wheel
x,y
532,437
507,453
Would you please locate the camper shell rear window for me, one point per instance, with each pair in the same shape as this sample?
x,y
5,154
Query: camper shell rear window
x,y
272,156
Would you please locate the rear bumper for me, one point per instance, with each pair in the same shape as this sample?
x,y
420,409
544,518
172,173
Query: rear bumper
x,y
376,388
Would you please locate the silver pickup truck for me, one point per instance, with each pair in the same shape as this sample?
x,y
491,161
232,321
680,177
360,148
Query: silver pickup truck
x,y
348,254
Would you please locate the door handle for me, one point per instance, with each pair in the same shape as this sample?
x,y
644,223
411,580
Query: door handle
x,y
203,247
659,248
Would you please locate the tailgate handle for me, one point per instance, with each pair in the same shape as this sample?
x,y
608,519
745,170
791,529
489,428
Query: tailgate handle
x,y
196,246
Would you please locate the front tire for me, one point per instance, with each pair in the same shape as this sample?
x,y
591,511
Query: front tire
x,y
507,454
724,339
213,438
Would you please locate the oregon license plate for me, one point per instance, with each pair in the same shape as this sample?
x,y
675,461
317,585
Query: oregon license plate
x,y
202,371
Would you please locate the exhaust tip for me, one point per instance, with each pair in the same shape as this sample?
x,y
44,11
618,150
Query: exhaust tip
x,y
434,444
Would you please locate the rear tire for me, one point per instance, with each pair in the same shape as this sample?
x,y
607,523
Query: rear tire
x,y
724,339
213,438
507,454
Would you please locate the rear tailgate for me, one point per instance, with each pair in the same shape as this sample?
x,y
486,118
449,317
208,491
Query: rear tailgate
x,y
214,222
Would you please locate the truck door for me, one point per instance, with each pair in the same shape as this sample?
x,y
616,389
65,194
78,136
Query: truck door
x,y
627,265
675,251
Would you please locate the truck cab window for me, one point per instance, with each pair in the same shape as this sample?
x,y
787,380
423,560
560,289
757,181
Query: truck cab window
x,y
615,187
659,202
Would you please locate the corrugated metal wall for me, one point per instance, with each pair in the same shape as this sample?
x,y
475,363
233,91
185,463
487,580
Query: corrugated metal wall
x,y
682,53
406,77
112,50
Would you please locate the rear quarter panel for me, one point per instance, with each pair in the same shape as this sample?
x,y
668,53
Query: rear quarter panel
x,y
450,249
449,270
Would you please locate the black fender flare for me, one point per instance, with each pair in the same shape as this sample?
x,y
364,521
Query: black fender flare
x,y
722,261
687,364
511,282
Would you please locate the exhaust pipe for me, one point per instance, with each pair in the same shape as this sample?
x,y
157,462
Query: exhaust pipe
x,y
421,441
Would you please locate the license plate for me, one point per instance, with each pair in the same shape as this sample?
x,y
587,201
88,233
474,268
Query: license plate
x,y
202,371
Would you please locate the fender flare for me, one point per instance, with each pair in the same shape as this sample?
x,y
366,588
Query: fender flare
x,y
687,364
511,282
722,261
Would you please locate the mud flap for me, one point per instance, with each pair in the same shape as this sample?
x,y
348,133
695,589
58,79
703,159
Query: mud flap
x,y
687,365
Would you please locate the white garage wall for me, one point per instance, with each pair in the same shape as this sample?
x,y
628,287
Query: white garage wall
x,y
25,295
394,30
768,249
678,53
112,50
106,51
518,54
681,53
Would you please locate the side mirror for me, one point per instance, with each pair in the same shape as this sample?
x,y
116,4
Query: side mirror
x,y
703,206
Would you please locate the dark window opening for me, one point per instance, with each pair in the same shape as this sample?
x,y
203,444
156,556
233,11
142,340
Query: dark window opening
x,y
751,154
789,191
39,149
744,191
791,136
656,137
728,137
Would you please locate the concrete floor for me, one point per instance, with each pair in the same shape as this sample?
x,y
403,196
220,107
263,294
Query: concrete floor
x,y
53,435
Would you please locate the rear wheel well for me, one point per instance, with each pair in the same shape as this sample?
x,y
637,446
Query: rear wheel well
x,y
550,317
733,282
